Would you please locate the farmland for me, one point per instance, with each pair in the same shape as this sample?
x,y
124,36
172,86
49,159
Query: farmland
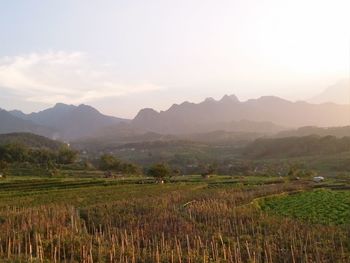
x,y
320,206
187,219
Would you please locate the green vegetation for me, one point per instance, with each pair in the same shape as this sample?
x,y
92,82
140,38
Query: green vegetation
x,y
159,171
264,156
320,206
183,155
109,162
19,153
297,146
59,205
30,140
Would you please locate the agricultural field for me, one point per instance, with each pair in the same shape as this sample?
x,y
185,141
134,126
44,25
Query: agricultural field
x,y
319,206
187,219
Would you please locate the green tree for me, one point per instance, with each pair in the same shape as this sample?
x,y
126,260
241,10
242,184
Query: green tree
x,y
159,171
66,155
109,162
176,172
130,168
15,152
207,170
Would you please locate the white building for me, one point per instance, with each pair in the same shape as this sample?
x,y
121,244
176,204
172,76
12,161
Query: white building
x,y
318,179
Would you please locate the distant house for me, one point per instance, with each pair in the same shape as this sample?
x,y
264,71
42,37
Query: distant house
x,y
318,179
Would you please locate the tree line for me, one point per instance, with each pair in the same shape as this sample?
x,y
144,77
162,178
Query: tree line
x,y
297,146
19,153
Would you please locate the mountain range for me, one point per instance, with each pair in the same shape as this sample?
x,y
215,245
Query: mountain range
x,y
10,123
228,112
65,122
266,115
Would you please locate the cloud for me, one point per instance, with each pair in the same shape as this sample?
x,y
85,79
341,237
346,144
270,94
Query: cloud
x,y
69,77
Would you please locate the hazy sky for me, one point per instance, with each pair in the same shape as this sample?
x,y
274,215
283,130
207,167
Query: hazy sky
x,y
120,56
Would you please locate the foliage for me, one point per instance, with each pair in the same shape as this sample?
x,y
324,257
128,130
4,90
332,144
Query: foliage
x,y
19,153
66,156
159,171
297,146
297,171
30,140
109,162
207,170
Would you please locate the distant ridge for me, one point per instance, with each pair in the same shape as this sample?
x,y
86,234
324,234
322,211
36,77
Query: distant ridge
x,y
10,123
211,115
337,93
267,115
311,130
71,122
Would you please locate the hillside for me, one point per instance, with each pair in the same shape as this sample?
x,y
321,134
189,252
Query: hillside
x,y
296,147
117,137
30,140
10,123
71,122
311,130
337,93
267,114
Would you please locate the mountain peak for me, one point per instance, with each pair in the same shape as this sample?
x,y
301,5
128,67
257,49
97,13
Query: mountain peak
x,y
272,99
146,113
86,107
229,98
337,93
209,99
18,114
62,105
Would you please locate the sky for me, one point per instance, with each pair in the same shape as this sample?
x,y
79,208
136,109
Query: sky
x,y
123,55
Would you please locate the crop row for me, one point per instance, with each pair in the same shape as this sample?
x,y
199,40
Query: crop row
x,y
174,223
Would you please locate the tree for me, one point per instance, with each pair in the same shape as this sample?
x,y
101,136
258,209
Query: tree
x,y
159,171
130,168
109,162
66,156
3,168
87,165
44,157
208,170
15,152
176,172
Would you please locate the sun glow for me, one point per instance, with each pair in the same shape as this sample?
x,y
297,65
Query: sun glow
x,y
307,37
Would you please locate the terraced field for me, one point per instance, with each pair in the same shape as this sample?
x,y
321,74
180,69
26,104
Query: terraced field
x,y
318,206
78,192
136,220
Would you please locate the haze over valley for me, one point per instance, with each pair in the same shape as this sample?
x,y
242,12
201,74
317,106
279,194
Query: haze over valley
x,y
266,115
